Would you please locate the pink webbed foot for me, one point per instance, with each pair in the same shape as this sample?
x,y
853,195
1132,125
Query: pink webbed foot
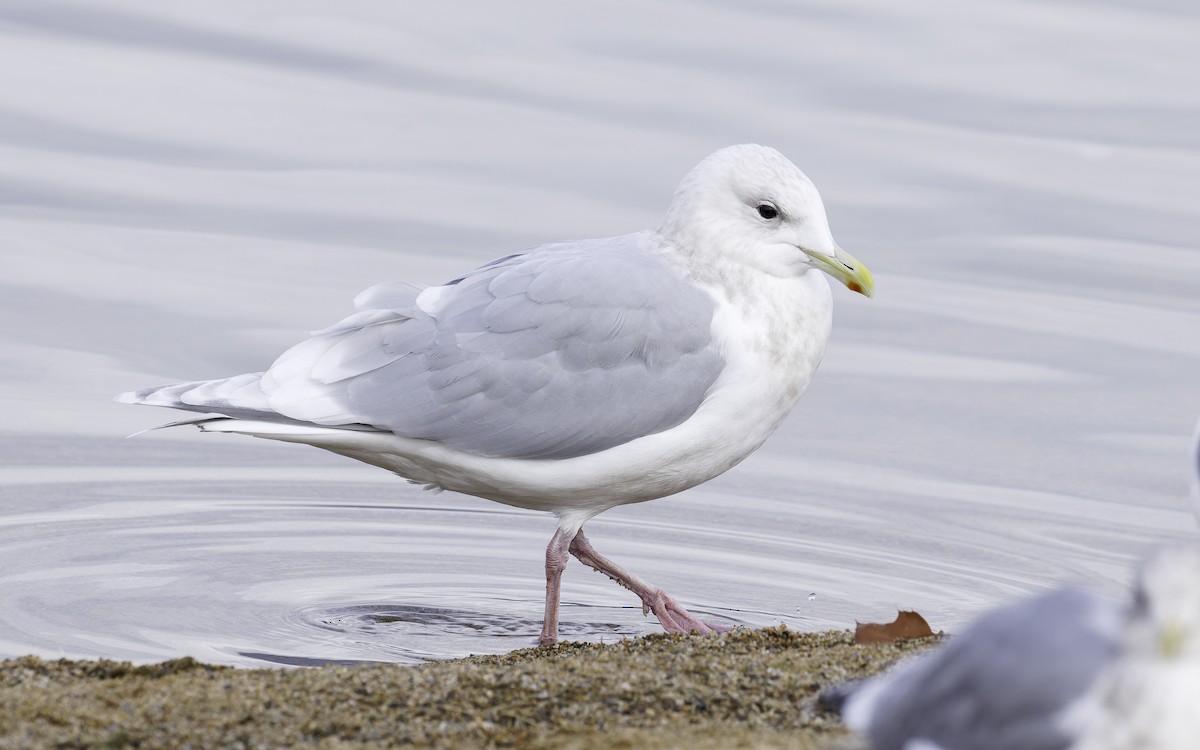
x,y
670,613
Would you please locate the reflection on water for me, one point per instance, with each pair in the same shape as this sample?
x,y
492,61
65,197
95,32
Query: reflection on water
x,y
1011,411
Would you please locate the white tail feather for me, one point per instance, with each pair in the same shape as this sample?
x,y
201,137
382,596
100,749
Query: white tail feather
x,y
241,396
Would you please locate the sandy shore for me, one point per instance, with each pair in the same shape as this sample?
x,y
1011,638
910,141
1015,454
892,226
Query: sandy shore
x,y
745,689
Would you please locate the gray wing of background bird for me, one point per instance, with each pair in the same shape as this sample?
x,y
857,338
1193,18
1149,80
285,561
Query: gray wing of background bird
x,y
566,350
1004,682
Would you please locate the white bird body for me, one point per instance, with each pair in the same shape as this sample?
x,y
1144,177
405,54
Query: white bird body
x,y
769,361
1146,706
576,376
1149,697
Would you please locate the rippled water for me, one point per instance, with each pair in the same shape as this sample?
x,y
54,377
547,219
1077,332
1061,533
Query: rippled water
x,y
184,191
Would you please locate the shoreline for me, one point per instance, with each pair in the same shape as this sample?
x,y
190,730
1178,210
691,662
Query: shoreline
x,y
752,688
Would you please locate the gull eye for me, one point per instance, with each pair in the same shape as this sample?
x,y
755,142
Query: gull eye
x,y
1141,601
767,210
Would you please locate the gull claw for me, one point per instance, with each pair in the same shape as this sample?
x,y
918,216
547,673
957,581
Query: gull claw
x,y
675,618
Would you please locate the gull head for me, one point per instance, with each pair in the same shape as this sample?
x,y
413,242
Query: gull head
x,y
1164,620
749,205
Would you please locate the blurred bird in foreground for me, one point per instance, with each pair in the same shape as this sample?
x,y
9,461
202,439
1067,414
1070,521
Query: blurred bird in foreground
x,y
1064,670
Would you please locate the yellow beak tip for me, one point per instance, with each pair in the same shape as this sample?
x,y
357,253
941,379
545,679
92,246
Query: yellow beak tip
x,y
848,270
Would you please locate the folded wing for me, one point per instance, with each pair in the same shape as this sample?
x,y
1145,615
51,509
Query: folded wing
x,y
563,351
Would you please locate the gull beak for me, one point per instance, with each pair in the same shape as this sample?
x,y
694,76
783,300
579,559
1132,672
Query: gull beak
x,y
845,268
1171,639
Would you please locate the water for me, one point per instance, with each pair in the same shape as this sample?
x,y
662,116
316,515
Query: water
x,y
185,190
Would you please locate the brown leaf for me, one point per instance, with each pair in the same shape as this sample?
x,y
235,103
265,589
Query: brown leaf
x,y
906,626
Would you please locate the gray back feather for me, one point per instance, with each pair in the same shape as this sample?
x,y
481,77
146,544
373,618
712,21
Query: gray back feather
x,y
566,350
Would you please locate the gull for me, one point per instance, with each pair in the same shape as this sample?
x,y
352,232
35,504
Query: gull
x,y
1146,698
1066,670
1006,682
576,376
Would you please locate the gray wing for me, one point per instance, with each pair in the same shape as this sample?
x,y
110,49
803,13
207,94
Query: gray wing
x,y
1004,682
566,350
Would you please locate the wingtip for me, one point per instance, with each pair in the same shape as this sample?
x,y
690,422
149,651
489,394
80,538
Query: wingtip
x,y
128,397
197,422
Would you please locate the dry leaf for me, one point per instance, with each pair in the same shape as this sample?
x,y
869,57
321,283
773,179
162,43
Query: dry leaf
x,y
905,627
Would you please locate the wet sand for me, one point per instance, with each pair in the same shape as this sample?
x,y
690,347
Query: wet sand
x,y
745,689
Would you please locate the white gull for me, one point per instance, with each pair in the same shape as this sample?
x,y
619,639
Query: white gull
x,y
576,376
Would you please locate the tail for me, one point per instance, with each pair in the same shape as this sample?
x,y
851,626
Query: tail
x,y
239,397
239,405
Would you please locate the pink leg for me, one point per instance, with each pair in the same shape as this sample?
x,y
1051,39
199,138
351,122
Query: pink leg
x,y
556,560
672,615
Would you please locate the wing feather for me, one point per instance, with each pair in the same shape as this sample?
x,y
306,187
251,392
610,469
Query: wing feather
x,y
566,350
